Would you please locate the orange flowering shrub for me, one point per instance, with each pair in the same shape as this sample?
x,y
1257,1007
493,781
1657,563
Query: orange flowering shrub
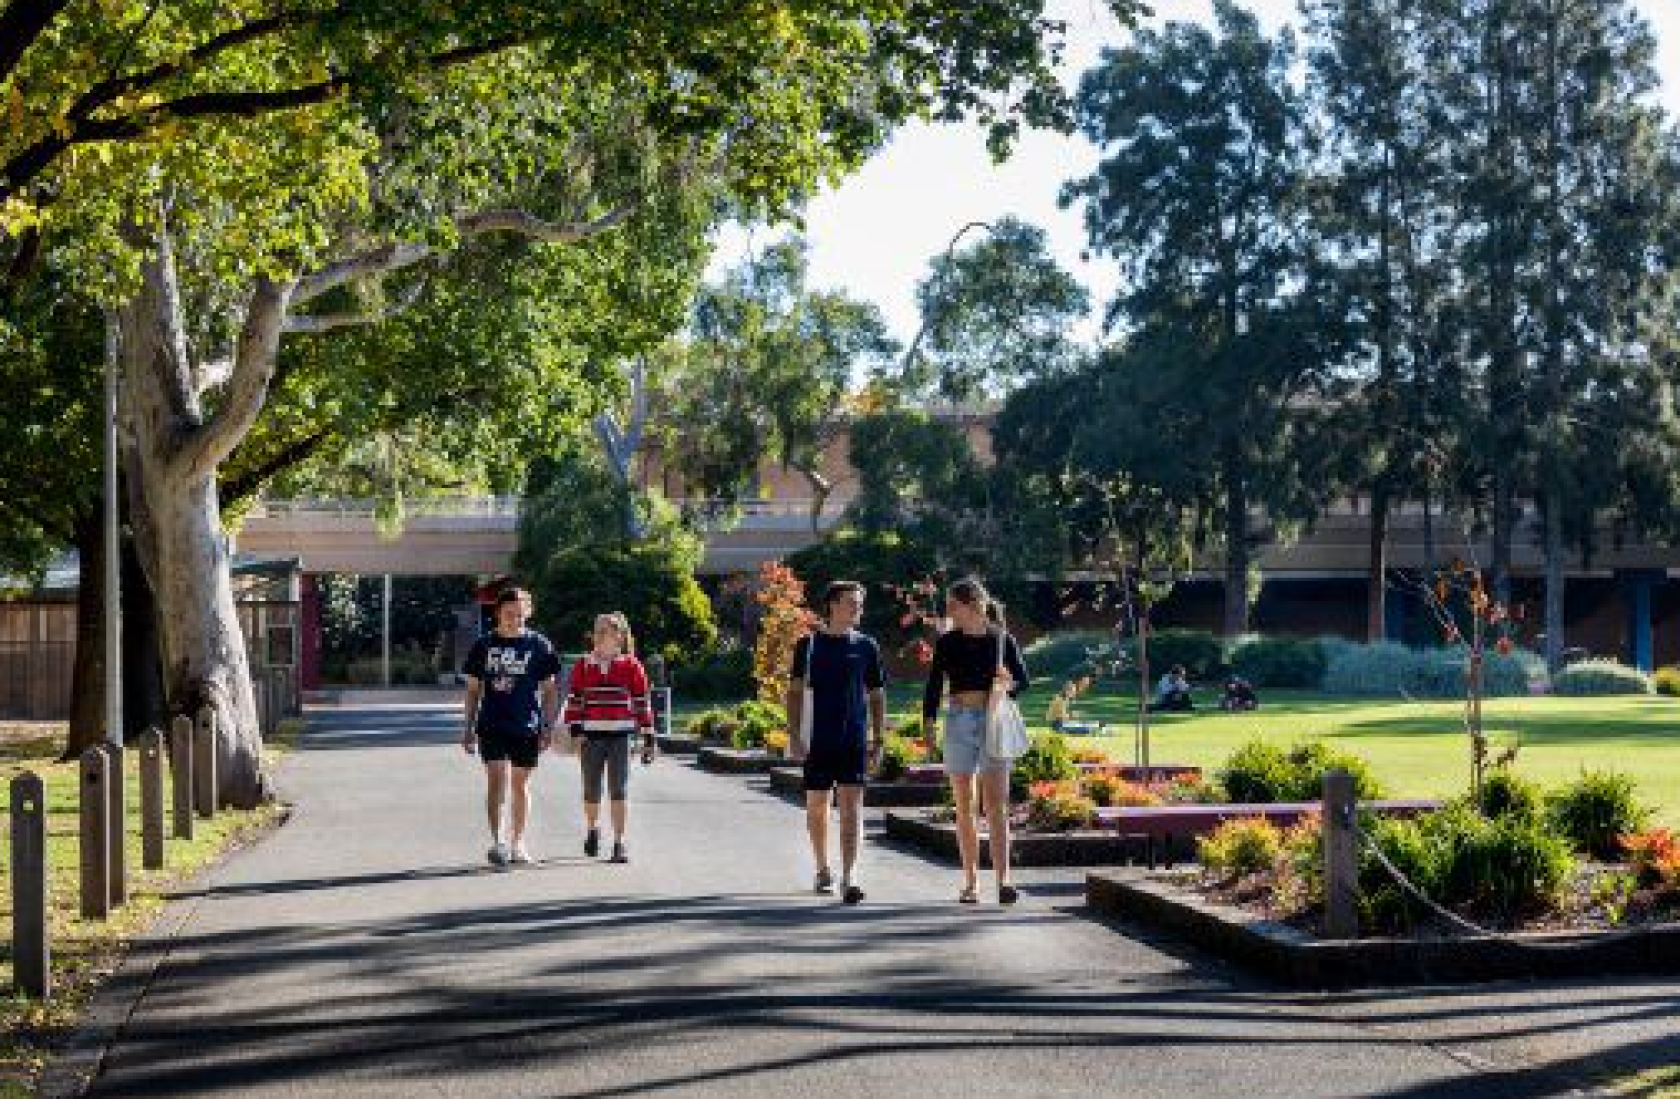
x,y
781,596
1112,791
1655,856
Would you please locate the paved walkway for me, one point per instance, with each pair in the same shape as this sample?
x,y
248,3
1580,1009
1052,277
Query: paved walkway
x,y
365,949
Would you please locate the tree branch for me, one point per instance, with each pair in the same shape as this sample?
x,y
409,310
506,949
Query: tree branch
x,y
21,24
329,322
395,257
254,360
248,482
106,91
38,157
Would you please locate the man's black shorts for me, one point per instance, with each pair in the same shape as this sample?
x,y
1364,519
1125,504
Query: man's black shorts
x,y
520,749
826,768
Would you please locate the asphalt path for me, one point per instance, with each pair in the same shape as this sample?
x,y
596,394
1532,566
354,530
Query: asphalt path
x,y
366,949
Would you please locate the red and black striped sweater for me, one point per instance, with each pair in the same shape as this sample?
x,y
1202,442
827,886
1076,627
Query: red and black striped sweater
x,y
609,699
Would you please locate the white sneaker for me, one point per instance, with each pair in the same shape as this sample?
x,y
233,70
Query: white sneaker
x,y
520,855
498,853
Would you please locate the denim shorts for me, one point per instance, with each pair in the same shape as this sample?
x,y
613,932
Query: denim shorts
x,y
965,743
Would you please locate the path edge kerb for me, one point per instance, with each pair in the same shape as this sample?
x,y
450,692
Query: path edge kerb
x,y
75,1065
1298,959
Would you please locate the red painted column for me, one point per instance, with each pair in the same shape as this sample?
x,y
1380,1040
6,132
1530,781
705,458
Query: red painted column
x,y
309,640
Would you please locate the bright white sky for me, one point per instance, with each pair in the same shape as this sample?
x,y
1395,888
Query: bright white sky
x,y
873,236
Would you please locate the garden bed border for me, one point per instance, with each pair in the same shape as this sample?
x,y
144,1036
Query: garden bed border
x,y
790,781
1086,848
737,761
1297,958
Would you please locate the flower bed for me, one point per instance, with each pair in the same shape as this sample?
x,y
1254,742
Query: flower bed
x,y
1524,860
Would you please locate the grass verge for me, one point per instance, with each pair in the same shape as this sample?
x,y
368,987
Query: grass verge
x,y
85,952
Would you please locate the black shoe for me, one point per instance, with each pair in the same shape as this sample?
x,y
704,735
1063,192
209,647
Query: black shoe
x,y
853,895
592,843
619,853
1008,894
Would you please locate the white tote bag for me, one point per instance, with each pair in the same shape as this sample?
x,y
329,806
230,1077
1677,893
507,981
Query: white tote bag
x,y
1006,729
800,745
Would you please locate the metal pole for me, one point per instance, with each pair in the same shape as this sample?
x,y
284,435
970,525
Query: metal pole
x,y
385,635
113,545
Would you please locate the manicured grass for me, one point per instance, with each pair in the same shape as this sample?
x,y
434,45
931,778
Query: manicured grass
x,y
1418,749
83,952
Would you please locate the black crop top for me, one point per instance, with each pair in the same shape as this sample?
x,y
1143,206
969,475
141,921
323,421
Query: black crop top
x,y
968,662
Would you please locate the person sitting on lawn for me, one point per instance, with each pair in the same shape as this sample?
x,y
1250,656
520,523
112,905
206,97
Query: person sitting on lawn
x,y
1172,693
1239,695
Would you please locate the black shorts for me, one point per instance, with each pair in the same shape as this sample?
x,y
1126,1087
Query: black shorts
x,y
826,768
520,749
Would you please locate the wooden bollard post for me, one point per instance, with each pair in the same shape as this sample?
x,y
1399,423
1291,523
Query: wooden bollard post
x,y
1341,858
96,836
204,763
31,955
181,775
150,748
116,822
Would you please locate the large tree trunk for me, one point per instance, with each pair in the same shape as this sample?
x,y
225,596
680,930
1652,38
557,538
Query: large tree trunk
x,y
1555,581
174,453
1376,593
1236,549
87,675
143,699
145,702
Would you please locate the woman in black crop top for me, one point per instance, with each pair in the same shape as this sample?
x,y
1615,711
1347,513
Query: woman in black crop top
x,y
967,660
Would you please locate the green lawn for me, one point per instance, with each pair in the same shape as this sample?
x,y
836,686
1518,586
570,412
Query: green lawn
x,y
1417,748
83,952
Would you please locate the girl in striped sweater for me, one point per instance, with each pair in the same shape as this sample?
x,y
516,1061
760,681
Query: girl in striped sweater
x,y
608,702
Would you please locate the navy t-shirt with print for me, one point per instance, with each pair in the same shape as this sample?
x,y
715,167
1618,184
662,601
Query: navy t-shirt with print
x,y
512,670
841,670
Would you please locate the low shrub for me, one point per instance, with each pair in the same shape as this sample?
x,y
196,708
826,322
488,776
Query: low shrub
x,y
1263,772
1089,753
1069,653
1500,868
1060,811
1199,651
897,755
1279,661
754,721
1595,810
1655,856
1389,669
1505,794
1258,771
718,676
776,742
1299,883
1666,681
714,724
1240,847
1587,678
1192,791
1046,760
1310,761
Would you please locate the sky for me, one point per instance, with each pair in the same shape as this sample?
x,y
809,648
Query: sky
x,y
874,235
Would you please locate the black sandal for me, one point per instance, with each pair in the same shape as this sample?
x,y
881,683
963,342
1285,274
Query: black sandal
x,y
1008,894
969,895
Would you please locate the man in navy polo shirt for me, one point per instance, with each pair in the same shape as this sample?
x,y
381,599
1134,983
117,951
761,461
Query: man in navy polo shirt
x,y
842,669
512,703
